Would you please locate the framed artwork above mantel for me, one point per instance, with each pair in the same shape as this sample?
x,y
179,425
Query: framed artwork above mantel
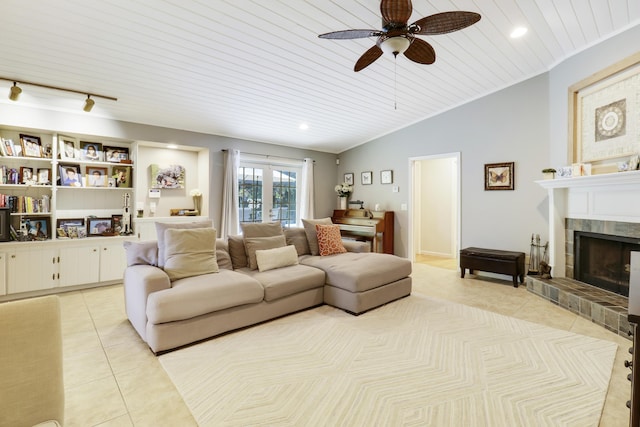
x,y
604,111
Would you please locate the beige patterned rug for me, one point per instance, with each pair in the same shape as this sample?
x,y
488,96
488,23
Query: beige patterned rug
x,y
418,361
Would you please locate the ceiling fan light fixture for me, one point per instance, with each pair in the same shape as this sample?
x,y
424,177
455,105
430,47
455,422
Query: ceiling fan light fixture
x,y
395,45
88,104
15,92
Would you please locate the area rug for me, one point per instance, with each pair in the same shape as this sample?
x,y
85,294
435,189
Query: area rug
x,y
418,361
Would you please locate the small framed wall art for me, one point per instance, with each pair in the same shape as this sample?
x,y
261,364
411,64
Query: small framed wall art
x,y
498,176
367,178
386,177
348,178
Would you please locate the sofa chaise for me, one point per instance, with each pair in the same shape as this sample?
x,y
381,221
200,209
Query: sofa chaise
x,y
189,285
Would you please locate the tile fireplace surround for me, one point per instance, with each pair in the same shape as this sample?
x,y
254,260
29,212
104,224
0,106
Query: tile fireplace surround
x,y
605,204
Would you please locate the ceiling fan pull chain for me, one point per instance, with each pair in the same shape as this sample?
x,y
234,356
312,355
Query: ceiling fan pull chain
x,y
395,82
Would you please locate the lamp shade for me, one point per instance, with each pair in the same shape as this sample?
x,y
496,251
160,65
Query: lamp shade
x,y
395,45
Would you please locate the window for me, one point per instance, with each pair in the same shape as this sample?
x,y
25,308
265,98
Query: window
x,y
268,192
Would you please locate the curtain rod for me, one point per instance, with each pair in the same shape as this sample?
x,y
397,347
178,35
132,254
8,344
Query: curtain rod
x,y
269,156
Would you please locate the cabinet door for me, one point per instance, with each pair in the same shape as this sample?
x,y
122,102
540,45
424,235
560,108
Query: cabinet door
x,y
32,270
3,273
79,265
113,261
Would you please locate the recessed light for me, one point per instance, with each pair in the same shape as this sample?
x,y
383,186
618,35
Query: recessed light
x,y
518,32
172,146
303,126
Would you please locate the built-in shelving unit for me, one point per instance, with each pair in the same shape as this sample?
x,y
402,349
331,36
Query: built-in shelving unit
x,y
50,262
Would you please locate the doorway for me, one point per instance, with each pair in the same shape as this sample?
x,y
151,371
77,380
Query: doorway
x,y
434,213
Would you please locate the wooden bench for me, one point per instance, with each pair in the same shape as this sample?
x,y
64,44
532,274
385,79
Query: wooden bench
x,y
493,261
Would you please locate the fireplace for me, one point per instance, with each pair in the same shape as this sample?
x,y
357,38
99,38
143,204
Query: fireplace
x,y
602,260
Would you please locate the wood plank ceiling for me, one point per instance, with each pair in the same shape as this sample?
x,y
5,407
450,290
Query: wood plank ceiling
x,y
256,70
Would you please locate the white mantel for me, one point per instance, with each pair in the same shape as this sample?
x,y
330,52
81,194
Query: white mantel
x,y
605,197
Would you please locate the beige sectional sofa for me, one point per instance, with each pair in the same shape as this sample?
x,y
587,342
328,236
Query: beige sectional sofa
x,y
188,286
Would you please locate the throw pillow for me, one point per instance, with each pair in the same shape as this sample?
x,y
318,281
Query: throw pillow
x,y
270,259
237,252
222,255
141,252
297,237
310,231
329,240
190,252
161,227
261,229
252,244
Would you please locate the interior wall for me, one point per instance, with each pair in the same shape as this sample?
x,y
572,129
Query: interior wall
x,y
437,217
46,121
511,125
526,123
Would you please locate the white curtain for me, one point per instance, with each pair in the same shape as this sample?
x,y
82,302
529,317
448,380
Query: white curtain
x,y
230,223
307,208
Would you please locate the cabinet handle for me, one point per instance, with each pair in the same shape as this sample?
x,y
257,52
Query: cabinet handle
x,y
13,256
53,276
95,250
104,249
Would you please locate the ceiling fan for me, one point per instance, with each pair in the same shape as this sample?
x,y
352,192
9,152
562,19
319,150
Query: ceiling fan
x,y
397,37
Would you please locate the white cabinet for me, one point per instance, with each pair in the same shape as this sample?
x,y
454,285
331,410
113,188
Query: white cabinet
x,y
79,265
113,261
3,273
31,269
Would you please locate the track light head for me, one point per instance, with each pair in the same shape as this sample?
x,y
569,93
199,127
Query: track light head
x,y
15,92
88,104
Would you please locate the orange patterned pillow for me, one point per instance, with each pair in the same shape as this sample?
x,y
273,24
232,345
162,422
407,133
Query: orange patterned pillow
x,y
329,240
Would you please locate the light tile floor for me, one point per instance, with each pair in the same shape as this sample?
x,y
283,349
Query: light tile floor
x,y
113,379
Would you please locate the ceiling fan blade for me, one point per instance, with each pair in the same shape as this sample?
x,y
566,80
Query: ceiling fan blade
x,y
368,58
421,52
350,34
395,12
445,22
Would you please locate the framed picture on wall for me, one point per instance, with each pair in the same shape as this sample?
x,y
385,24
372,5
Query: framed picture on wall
x,y
498,176
386,177
348,178
367,178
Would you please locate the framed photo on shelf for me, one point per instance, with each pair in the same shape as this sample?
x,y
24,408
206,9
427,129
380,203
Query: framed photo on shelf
x,y
70,176
31,145
498,176
91,151
37,228
97,176
117,223
44,176
26,175
367,178
68,227
116,154
348,178
122,176
386,177
68,148
98,226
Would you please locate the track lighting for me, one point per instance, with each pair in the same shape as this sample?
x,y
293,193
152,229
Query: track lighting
x,y
15,92
88,104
